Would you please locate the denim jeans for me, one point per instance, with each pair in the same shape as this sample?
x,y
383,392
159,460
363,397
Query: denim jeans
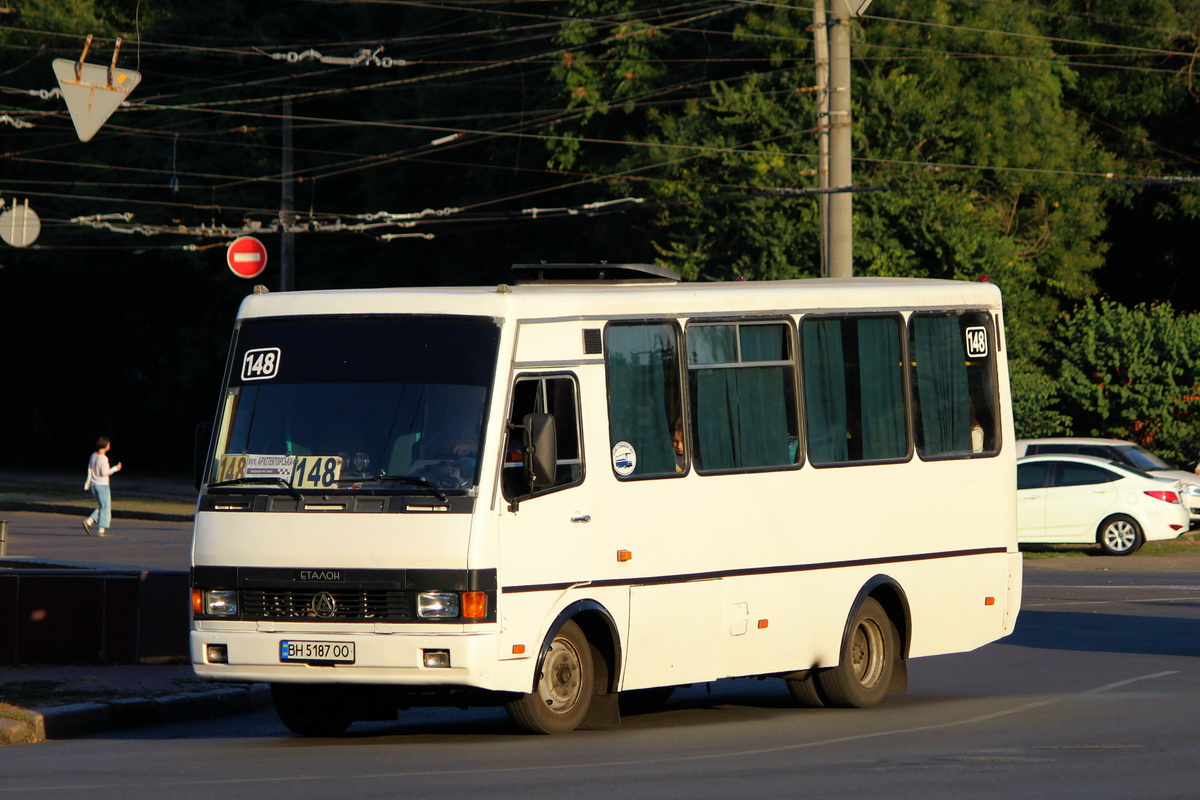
x,y
103,512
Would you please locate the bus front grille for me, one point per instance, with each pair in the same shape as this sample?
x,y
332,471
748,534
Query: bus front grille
x,y
332,606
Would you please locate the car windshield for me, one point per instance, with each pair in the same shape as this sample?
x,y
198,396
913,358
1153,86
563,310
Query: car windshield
x,y
1141,458
339,403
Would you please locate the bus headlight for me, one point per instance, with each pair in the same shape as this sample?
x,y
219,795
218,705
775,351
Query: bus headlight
x,y
437,605
219,603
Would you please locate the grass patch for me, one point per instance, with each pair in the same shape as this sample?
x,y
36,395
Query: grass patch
x,y
1036,551
1186,544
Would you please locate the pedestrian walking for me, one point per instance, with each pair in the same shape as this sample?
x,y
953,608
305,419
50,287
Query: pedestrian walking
x,y
97,480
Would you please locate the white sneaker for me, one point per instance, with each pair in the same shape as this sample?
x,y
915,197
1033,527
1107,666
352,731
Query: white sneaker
x,y
87,526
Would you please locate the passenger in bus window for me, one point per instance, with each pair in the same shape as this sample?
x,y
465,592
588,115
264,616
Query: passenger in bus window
x,y
677,444
976,430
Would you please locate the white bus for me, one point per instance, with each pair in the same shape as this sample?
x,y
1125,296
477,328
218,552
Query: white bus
x,y
599,483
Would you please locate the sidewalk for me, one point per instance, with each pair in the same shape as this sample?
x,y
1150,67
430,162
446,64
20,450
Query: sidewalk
x,y
39,702
61,702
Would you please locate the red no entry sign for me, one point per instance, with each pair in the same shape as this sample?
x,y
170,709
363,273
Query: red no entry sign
x,y
247,257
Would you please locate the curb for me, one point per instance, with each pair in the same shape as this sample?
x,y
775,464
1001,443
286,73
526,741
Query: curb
x,y
81,719
59,508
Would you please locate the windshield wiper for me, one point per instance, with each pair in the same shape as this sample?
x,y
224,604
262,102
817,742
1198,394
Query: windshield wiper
x,y
410,480
266,481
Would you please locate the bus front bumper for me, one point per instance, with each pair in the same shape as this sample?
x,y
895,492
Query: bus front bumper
x,y
408,659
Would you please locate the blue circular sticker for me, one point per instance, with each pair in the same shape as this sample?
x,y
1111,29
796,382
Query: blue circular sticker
x,y
624,458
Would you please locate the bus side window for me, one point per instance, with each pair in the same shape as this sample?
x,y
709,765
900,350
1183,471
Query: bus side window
x,y
854,389
954,384
645,399
555,395
741,381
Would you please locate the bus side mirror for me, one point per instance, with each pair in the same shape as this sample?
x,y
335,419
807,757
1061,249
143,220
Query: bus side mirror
x,y
200,453
541,450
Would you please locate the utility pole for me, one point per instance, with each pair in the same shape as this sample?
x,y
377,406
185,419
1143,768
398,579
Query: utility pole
x,y
821,59
838,226
287,204
841,229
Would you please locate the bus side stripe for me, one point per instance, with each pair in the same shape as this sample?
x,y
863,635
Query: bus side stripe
x,y
737,573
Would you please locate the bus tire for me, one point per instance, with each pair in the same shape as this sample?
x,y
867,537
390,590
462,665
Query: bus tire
x,y
869,651
564,688
311,710
1119,535
805,692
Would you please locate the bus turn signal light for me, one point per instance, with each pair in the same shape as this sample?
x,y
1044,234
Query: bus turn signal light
x,y
474,605
624,555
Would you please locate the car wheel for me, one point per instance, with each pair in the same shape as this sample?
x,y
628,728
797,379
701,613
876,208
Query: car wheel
x,y
864,673
564,689
1119,535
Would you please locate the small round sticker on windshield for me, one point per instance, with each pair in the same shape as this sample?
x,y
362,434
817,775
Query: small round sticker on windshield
x,y
624,458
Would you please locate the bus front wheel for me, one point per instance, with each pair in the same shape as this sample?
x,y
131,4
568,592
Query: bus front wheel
x,y
311,710
864,673
564,688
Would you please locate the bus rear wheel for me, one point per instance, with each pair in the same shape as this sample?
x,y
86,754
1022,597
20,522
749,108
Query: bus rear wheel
x,y
564,689
804,690
311,710
864,673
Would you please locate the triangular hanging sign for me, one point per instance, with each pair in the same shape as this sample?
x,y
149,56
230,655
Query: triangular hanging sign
x,y
92,92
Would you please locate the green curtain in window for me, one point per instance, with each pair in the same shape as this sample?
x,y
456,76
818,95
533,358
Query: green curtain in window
x,y
741,417
642,364
763,417
715,403
881,374
825,391
764,342
942,392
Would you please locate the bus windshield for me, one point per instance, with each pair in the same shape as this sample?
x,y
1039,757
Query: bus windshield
x,y
347,403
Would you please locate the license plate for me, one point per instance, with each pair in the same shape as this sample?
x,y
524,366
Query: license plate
x,y
313,652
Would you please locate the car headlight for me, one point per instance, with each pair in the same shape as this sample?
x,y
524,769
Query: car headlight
x,y
1191,489
437,605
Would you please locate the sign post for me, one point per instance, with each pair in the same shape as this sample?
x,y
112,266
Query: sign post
x,y
246,256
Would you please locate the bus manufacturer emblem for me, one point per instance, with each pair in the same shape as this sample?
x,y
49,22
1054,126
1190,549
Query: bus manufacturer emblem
x,y
323,605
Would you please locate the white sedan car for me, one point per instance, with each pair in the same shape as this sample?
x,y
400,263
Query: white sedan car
x,y
1120,452
1067,499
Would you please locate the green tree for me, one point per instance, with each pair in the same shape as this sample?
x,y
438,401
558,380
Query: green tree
x,y
977,168
1132,373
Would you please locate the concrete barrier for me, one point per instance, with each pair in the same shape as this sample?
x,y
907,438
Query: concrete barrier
x,y
63,614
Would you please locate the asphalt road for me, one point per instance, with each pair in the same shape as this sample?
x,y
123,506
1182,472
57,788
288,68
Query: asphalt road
x,y
1095,695
60,538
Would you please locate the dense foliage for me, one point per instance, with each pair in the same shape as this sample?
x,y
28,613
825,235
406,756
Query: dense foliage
x,y
1048,147
1130,373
